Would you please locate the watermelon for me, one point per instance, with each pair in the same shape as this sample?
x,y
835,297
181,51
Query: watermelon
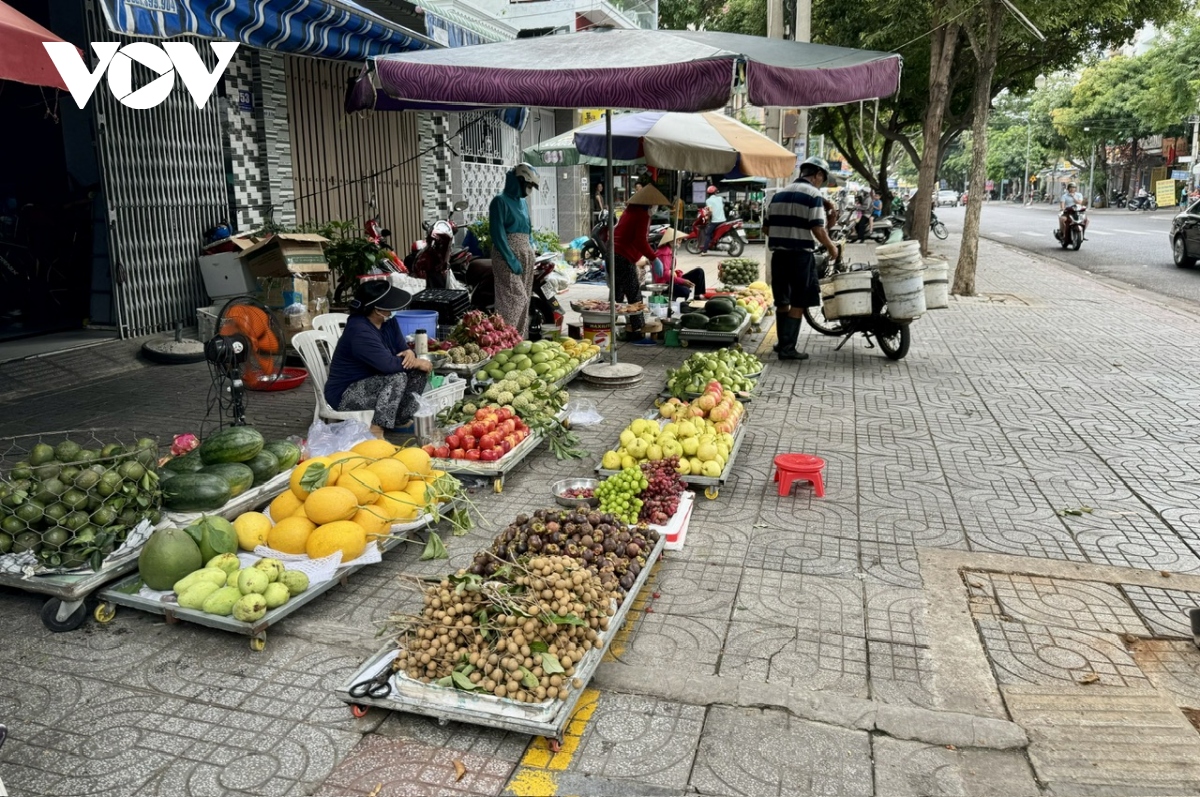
x,y
235,444
693,320
237,475
265,466
287,452
724,323
195,492
718,307
188,463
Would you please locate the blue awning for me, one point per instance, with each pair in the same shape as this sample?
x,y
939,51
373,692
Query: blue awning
x,y
320,28
443,31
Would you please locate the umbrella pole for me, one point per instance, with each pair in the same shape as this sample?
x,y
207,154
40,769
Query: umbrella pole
x,y
611,256
675,240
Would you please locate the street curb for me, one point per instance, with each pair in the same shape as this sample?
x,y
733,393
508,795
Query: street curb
x,y
901,722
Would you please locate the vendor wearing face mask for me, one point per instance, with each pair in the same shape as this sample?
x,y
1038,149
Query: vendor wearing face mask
x,y
372,367
512,249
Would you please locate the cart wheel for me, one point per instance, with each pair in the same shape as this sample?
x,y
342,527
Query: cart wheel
x,y
555,745
258,643
683,343
358,711
59,617
712,492
105,612
498,484
566,423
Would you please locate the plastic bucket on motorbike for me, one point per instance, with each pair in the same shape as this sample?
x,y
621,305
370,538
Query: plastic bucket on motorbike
x,y
412,320
905,292
852,293
900,254
829,302
937,284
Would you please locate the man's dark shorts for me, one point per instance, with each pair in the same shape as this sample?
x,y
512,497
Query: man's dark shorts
x,y
794,279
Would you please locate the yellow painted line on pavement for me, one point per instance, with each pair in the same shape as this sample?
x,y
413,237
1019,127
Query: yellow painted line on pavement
x,y
620,640
535,775
768,341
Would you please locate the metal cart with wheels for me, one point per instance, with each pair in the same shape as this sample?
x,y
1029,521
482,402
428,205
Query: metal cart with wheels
x,y
712,484
496,471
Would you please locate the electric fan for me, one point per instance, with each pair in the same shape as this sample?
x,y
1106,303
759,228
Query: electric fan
x,y
245,353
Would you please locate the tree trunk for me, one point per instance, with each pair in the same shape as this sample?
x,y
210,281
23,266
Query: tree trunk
x,y
943,46
989,43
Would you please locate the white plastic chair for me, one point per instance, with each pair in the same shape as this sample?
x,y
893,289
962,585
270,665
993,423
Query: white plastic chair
x,y
333,323
316,349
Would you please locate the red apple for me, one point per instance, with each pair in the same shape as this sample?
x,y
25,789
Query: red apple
x,y
506,446
429,449
458,453
490,454
470,441
473,454
442,452
454,440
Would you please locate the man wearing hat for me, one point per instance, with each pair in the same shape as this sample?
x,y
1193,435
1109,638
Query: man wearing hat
x,y
795,224
631,249
372,367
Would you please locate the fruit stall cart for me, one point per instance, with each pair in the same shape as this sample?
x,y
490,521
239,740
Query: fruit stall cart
x,y
254,497
711,484
496,471
571,377
712,336
128,592
466,371
548,718
69,499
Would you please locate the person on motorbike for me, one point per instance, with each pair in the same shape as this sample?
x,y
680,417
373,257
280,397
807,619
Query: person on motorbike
x,y
716,216
512,249
1071,198
795,223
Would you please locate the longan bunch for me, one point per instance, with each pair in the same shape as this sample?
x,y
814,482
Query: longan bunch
x,y
519,635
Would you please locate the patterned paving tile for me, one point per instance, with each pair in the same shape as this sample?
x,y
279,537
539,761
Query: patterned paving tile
x,y
683,644
915,769
901,674
816,603
1164,610
642,739
810,550
1173,667
1062,603
696,589
896,614
796,658
753,752
1025,653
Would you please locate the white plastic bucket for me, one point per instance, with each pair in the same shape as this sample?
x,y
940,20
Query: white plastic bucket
x,y
905,293
852,292
902,253
937,284
829,302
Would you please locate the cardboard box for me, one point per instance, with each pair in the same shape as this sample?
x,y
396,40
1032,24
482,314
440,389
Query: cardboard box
x,y
280,292
285,254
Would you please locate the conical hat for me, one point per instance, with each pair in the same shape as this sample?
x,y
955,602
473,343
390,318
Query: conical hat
x,y
670,234
647,195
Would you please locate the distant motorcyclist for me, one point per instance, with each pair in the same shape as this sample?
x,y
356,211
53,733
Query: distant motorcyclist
x,y
1070,199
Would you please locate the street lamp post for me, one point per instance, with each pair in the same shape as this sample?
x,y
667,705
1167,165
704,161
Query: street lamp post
x,y
1038,83
1091,168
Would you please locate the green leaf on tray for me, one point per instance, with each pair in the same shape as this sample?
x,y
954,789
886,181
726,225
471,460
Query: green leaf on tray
x,y
463,682
550,664
447,681
314,477
528,679
568,619
538,646
434,549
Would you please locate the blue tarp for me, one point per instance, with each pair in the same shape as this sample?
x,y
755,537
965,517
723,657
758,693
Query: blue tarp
x,y
318,28
450,34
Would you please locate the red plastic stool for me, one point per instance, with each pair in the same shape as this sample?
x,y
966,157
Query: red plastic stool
x,y
799,467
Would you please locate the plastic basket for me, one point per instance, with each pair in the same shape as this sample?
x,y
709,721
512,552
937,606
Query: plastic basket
x,y
446,396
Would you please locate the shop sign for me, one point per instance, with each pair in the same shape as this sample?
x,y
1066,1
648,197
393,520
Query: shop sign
x,y
165,60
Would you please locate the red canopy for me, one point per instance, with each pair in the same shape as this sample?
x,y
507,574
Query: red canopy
x,y
22,56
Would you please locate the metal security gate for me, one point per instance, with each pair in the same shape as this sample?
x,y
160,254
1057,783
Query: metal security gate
x,y
164,179
350,167
543,204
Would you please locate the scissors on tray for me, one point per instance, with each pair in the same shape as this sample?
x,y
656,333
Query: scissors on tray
x,y
377,687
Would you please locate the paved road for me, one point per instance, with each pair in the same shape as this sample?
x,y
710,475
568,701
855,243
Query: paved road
x,y
1130,247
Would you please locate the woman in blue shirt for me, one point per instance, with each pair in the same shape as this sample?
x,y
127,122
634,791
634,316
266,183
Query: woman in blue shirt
x,y
372,366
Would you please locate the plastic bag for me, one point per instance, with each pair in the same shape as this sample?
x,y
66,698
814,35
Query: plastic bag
x,y
452,283
329,438
583,412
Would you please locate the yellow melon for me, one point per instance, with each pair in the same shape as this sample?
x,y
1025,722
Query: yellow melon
x,y
363,483
420,491
285,505
329,504
374,449
392,473
344,462
290,535
251,528
298,474
416,460
374,521
341,535
399,505
300,512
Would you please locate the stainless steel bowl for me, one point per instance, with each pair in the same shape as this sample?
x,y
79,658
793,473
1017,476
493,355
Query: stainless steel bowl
x,y
562,486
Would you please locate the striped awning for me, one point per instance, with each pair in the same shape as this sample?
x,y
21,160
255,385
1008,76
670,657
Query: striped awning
x,y
334,29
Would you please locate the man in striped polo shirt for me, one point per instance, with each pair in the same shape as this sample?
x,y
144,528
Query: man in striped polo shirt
x,y
795,224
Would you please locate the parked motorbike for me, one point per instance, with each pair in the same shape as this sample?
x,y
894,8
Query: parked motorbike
x,y
1146,202
1119,199
440,253
892,335
478,279
939,229
597,243
1075,224
381,259
727,237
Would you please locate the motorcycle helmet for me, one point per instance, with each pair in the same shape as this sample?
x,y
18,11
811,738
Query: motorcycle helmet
x,y
820,163
712,189
527,173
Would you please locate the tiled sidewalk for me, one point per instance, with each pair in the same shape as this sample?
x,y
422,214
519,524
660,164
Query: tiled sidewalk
x,y
817,662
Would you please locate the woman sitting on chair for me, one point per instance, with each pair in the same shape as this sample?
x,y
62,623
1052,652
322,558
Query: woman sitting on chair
x,y
663,268
372,366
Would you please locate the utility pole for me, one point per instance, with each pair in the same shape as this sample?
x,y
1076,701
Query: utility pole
x,y
1026,194
771,116
1091,169
1195,148
804,34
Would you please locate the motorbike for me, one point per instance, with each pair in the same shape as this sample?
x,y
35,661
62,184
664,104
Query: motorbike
x,y
440,253
1146,202
939,229
879,232
1075,222
1119,199
892,335
381,259
478,279
597,242
728,237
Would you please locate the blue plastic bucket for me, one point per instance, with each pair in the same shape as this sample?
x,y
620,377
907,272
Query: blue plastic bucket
x,y
412,320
